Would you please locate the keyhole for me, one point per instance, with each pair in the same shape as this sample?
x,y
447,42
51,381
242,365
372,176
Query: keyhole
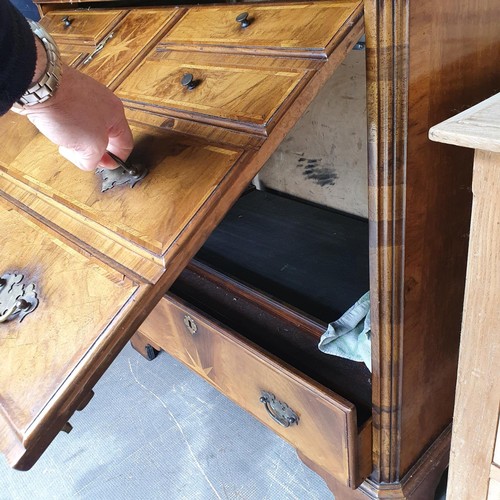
x,y
190,324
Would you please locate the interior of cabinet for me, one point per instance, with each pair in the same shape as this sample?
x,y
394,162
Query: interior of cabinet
x,y
299,263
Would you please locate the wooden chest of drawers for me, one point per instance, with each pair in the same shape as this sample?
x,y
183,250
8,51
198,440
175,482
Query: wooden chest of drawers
x,y
209,99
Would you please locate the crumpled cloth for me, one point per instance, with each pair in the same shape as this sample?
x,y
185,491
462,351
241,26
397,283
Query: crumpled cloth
x,y
350,336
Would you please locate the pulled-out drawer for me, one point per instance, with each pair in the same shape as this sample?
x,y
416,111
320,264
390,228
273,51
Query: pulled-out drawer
x,y
322,425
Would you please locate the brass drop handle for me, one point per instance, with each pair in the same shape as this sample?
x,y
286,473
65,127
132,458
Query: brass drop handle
x,y
278,411
66,21
17,299
98,48
243,19
19,305
188,81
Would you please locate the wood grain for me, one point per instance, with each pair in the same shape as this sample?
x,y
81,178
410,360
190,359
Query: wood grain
x,y
180,171
425,62
86,28
132,38
477,401
477,127
241,371
305,29
80,299
229,90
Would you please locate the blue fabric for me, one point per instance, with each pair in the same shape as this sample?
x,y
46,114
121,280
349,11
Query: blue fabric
x,y
350,336
27,8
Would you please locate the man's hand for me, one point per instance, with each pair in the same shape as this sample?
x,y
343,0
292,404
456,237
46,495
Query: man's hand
x,y
84,118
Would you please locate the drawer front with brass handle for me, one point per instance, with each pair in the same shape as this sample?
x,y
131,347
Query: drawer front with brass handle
x,y
143,222
304,29
57,306
294,406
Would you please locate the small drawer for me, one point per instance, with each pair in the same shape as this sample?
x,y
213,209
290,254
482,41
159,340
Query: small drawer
x,y
323,426
126,44
234,91
307,29
81,27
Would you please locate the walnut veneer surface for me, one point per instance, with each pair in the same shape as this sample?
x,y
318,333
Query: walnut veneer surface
x,y
425,61
147,234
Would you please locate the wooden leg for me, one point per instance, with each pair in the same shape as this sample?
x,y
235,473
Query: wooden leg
x,y
144,346
420,483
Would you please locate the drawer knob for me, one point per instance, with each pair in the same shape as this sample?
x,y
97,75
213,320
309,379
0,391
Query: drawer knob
x,y
243,19
17,299
190,324
188,81
66,21
278,411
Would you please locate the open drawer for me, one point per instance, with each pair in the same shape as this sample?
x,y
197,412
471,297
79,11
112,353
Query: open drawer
x,y
322,425
252,344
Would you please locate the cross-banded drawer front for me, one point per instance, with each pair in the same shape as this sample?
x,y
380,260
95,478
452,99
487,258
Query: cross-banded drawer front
x,y
81,27
67,306
295,407
235,91
305,27
130,39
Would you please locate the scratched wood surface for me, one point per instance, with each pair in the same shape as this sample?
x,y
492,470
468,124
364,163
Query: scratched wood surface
x,y
228,90
79,299
242,371
299,28
86,27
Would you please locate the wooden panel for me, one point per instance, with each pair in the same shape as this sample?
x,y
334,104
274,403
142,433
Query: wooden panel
x,y
72,55
477,402
146,219
86,28
80,299
426,61
241,371
477,127
240,89
306,28
16,132
447,73
132,38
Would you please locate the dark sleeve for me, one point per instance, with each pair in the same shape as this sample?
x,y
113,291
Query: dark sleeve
x,y
17,55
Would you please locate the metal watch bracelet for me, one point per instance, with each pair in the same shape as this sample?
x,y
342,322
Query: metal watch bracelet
x,y
46,86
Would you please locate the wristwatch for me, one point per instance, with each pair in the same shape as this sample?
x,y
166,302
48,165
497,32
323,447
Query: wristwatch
x,y
47,84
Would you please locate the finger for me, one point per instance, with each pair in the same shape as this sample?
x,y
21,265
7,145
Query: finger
x,y
85,160
120,140
107,162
